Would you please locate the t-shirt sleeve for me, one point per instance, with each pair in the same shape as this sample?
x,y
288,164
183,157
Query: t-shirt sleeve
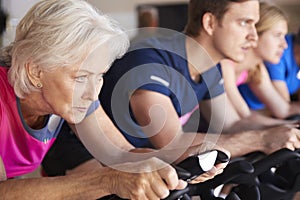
x,y
93,107
214,81
147,71
276,71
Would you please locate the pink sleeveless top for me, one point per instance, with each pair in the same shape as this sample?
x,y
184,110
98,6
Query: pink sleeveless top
x,y
21,148
242,78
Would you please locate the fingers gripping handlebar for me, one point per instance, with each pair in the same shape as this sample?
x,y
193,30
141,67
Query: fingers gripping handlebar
x,y
194,166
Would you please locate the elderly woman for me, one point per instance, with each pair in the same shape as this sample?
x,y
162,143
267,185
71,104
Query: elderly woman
x,y
53,72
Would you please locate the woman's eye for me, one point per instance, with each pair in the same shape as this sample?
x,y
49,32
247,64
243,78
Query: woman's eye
x,y
243,23
81,79
280,35
100,77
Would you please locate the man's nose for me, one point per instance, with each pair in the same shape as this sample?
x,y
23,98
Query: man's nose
x,y
253,36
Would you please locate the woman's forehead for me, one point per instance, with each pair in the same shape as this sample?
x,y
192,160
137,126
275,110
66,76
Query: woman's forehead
x,y
97,58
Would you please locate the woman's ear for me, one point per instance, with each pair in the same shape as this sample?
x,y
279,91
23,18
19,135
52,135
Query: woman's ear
x,y
208,21
34,74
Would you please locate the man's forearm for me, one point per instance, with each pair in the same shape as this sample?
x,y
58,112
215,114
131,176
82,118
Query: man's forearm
x,y
237,144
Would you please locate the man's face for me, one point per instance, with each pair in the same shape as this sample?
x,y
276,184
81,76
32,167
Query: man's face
x,y
235,34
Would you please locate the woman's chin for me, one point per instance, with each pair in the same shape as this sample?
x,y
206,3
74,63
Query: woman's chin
x,y
75,119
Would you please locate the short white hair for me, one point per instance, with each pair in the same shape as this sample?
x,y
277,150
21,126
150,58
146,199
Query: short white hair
x,y
59,33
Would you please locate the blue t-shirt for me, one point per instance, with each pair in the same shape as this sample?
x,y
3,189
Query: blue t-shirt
x,y
286,70
160,65
250,98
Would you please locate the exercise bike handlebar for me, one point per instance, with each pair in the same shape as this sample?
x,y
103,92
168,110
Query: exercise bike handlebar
x,y
239,172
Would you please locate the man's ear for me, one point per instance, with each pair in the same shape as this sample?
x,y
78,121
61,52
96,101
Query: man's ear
x,y
208,21
33,73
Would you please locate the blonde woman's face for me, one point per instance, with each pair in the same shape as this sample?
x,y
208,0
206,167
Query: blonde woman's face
x,y
69,91
272,42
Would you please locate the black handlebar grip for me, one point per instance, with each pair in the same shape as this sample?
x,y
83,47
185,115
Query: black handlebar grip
x,y
177,194
182,174
222,157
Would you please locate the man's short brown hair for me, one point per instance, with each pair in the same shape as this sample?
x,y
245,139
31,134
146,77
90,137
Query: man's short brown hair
x,y
297,37
197,8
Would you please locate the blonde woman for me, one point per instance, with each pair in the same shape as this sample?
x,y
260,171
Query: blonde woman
x,y
272,28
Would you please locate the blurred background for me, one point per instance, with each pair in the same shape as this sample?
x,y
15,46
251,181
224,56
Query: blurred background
x,y
172,14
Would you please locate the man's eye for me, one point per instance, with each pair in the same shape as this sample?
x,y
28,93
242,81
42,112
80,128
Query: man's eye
x,y
80,78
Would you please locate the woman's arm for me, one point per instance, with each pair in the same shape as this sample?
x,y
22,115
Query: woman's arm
x,y
232,91
151,179
104,141
98,120
276,102
282,89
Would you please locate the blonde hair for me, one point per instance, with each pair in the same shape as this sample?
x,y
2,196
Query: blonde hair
x,y
59,33
269,16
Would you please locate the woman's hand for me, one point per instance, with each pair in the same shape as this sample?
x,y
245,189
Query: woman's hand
x,y
149,179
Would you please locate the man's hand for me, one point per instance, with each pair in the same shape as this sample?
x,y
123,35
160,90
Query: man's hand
x,y
287,136
217,169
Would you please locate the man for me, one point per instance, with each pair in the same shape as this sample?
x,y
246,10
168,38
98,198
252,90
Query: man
x,y
147,22
164,79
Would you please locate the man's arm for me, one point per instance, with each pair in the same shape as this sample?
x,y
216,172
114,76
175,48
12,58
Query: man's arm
x,y
243,142
220,113
156,114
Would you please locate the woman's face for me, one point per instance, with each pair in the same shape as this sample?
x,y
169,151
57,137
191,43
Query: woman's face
x,y
272,43
69,91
